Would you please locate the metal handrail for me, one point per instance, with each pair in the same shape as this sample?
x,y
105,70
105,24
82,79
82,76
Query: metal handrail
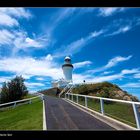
x,y
19,101
135,109
108,99
63,90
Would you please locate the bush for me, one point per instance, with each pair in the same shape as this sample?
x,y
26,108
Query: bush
x,y
13,90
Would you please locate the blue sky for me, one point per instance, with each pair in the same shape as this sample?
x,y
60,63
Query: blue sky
x,y
104,44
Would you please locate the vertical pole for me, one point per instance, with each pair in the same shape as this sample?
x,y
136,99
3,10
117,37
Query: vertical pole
x,y
136,113
69,96
77,99
30,101
15,104
85,101
65,96
72,97
102,106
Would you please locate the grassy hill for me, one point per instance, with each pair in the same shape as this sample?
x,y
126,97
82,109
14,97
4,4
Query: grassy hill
x,y
104,89
25,117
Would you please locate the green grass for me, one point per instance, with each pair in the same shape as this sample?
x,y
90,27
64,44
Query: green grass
x,y
24,117
119,111
29,96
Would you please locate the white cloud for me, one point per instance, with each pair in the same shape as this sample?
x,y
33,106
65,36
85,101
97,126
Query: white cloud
x,y
77,45
40,78
137,75
22,41
6,20
49,57
5,78
19,40
81,64
107,78
131,85
32,43
97,33
16,12
6,37
107,72
9,16
33,84
116,60
109,11
31,66
126,71
113,62
78,78
120,30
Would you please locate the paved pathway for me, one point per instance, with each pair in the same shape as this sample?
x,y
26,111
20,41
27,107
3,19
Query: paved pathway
x,y
61,115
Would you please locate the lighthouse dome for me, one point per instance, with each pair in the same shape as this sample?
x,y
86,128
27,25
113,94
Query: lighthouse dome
x,y
67,58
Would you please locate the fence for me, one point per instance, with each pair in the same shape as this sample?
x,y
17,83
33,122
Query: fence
x,y
128,110
29,100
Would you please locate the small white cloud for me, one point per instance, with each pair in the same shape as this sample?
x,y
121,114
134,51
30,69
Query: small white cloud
x,y
126,71
6,37
120,30
49,57
77,45
40,78
6,20
116,60
32,43
137,75
131,85
5,78
16,12
113,62
109,11
107,72
9,16
81,64
32,84
97,33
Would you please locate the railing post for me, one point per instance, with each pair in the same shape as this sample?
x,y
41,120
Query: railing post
x,y
102,105
72,97
30,101
136,113
69,96
85,101
77,99
14,104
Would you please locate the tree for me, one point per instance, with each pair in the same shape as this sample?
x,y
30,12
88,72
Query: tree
x,y
4,95
13,90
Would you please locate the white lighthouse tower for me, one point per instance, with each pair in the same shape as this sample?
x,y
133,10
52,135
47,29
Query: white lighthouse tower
x,y
67,69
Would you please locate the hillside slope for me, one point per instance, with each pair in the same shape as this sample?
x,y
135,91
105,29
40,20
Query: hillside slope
x,y
104,89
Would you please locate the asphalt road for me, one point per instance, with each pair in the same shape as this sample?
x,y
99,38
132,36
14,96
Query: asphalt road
x,y
61,115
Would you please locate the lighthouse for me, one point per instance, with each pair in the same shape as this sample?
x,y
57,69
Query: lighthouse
x,y
67,68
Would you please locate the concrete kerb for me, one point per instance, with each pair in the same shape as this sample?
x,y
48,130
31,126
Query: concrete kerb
x,y
108,120
44,117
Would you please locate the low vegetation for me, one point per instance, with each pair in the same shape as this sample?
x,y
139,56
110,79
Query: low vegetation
x,y
104,89
24,117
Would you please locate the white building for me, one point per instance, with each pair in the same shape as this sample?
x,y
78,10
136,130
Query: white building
x,y
67,68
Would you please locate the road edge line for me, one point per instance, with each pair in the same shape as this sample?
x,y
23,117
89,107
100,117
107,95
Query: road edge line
x,y
44,117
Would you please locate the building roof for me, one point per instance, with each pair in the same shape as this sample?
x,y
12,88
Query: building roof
x,y
67,57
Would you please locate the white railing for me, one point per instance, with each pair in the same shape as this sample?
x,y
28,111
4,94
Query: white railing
x,y
134,104
20,101
62,92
